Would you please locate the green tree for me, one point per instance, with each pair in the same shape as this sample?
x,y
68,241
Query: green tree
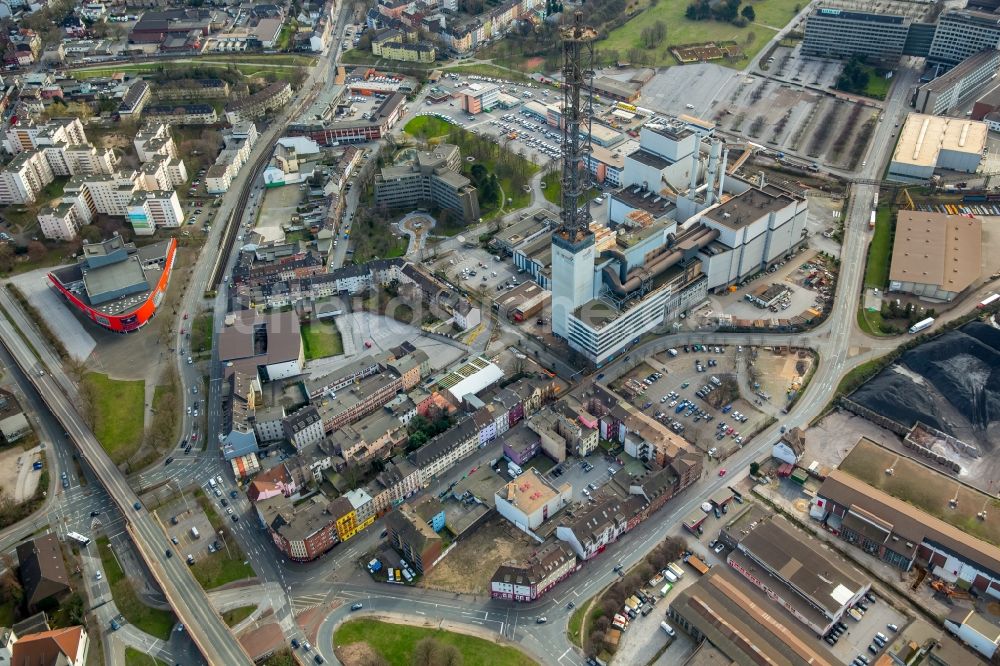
x,y
748,13
754,468
6,258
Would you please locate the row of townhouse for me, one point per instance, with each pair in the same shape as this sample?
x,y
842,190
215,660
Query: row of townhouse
x,y
458,34
620,505
285,279
304,530
585,531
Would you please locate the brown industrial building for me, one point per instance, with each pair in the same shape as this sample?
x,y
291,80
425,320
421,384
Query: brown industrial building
x,y
523,301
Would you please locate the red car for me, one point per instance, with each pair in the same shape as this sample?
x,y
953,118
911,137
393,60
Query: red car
x,y
185,315
722,472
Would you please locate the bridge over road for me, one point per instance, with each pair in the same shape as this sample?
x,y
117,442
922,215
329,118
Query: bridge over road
x,y
188,600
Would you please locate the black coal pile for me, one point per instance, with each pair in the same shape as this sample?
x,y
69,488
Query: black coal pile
x,y
951,383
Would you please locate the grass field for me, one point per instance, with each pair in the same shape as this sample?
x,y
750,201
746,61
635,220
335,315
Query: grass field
x,y
553,188
201,333
214,570
870,322
427,127
880,250
925,489
118,414
155,622
237,615
493,71
278,65
878,85
135,658
395,643
772,15
321,339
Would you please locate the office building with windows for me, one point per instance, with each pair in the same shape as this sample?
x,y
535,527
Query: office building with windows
x,y
961,34
432,178
838,33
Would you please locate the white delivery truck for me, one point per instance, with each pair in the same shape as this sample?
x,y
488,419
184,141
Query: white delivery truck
x,y
194,533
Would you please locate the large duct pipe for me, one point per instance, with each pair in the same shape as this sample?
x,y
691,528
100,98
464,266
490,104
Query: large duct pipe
x,y
622,260
698,237
722,171
694,166
713,165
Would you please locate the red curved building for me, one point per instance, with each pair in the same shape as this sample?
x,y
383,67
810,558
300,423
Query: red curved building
x,y
116,284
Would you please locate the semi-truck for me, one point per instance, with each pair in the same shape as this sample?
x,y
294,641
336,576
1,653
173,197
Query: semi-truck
x,y
921,325
988,301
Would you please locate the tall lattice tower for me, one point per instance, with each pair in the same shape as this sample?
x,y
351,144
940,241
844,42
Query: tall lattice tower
x,y
573,242
578,110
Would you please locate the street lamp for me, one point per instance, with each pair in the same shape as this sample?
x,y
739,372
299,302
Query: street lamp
x,y
222,535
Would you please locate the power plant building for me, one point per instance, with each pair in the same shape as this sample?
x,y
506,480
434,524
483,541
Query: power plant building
x,y
679,231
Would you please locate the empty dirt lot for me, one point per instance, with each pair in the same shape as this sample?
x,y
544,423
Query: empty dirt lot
x,y
469,566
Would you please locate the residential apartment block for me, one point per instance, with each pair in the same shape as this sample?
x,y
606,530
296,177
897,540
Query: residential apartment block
x,y
257,105
238,143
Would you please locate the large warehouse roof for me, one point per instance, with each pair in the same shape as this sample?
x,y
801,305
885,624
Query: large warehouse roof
x,y
923,138
476,375
938,249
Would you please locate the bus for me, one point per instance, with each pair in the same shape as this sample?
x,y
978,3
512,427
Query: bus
x,y
921,325
988,301
79,538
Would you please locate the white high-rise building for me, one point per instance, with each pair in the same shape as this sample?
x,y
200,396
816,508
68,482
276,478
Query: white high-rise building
x,y
63,220
572,276
148,211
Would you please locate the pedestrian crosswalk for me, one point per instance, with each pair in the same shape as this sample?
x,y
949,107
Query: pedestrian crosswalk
x,y
306,602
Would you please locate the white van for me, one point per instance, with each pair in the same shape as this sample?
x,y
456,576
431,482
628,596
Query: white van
x,y
667,628
669,575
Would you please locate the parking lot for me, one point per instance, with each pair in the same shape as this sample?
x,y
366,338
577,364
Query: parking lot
x,y
178,519
586,474
718,418
859,635
539,142
474,267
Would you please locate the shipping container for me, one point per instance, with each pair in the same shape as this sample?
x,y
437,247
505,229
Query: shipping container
x,y
695,563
